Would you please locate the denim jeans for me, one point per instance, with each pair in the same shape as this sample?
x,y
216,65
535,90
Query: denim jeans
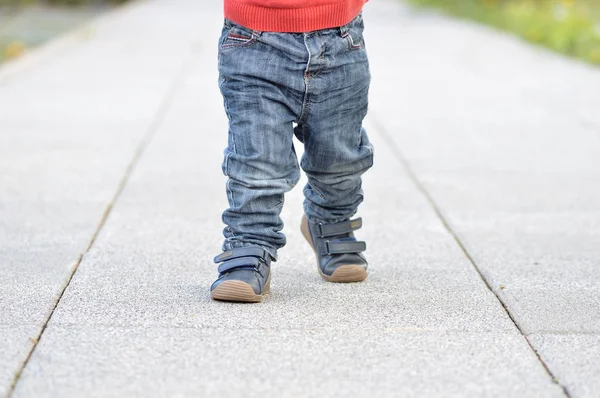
x,y
312,85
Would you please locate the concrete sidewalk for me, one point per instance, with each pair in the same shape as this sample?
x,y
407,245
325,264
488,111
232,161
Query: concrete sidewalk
x,y
482,218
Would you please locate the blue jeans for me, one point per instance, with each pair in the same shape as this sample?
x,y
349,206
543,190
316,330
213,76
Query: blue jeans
x,y
276,85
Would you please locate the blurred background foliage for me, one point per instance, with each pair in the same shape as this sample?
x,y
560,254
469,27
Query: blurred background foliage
x,y
22,3
571,27
27,23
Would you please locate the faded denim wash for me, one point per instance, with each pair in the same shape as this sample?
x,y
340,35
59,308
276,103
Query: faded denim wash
x,y
276,85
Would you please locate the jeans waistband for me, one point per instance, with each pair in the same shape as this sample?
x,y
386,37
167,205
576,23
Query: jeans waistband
x,y
343,30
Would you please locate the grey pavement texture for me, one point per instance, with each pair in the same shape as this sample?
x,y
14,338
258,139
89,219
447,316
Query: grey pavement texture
x,y
482,218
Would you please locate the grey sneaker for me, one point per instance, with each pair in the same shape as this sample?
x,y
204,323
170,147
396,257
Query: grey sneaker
x,y
244,275
339,254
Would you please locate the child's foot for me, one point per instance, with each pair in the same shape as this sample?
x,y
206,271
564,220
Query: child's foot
x,y
339,257
244,275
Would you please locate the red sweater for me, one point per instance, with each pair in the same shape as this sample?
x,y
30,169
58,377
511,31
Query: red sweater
x,y
292,15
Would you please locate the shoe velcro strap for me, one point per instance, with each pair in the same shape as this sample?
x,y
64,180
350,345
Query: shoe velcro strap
x,y
337,247
258,252
339,228
241,262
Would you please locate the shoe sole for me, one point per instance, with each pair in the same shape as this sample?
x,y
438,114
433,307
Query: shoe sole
x,y
344,273
239,292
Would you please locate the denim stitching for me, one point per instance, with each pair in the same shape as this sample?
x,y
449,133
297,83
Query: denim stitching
x,y
228,187
232,151
248,43
306,102
233,36
354,46
323,48
315,190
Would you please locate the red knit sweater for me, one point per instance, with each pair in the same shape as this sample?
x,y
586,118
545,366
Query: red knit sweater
x,y
292,15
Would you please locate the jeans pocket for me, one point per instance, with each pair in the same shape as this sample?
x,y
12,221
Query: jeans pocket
x,y
238,36
353,33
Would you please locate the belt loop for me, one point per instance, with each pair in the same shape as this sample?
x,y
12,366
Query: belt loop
x,y
344,30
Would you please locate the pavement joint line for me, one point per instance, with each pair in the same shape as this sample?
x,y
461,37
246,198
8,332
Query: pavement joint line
x,y
209,328
446,223
155,125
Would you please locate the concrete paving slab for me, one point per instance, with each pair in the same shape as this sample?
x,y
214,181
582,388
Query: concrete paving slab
x,y
574,360
15,343
543,265
71,120
172,290
31,282
137,316
509,150
465,72
554,194
390,362
534,234
152,263
46,223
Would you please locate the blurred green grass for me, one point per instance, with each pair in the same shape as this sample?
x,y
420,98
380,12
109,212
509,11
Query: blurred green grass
x,y
571,27
25,24
24,3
